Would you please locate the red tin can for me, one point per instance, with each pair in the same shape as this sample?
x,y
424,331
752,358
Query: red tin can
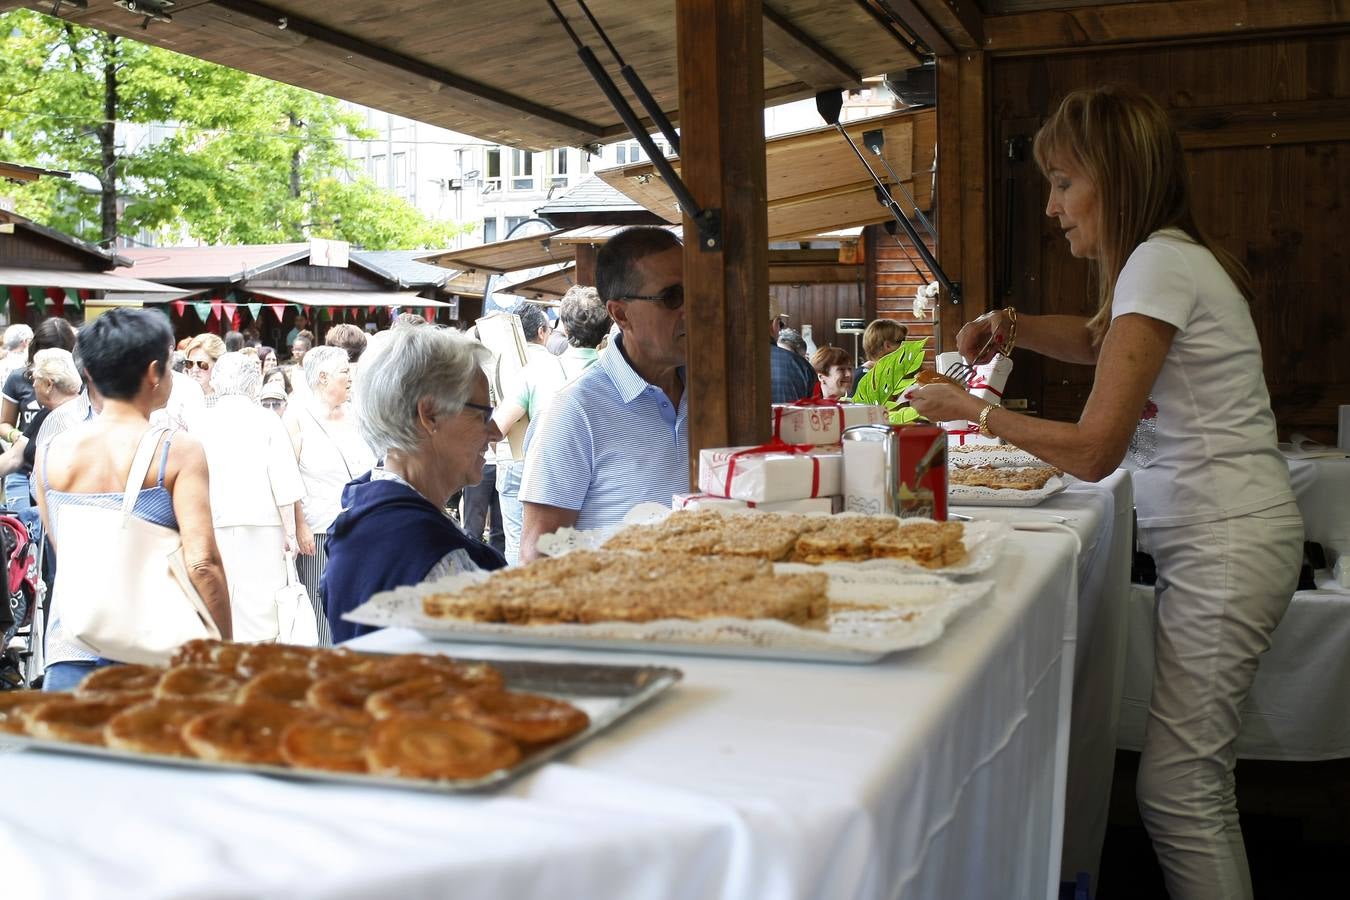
x,y
896,469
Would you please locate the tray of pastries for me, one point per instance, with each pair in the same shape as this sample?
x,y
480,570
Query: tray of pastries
x,y
848,540
1004,485
682,602
419,721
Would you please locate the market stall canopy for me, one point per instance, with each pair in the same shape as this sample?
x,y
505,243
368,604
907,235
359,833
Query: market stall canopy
x,y
317,297
499,257
549,286
86,281
815,182
505,72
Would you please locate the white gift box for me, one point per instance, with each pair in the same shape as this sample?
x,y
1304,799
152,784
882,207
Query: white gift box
x,y
989,379
808,505
822,423
771,473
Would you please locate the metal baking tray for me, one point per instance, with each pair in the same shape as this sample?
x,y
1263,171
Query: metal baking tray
x,y
607,693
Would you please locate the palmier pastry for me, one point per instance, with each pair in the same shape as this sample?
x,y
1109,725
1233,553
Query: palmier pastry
x,y
259,658
423,747
11,702
246,733
326,742
527,718
346,695
225,656
198,683
323,663
284,686
125,682
195,653
80,721
415,665
928,376
155,727
428,696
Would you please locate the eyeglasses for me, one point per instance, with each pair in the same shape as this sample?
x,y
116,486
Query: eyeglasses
x,y
487,411
671,298
273,404
202,364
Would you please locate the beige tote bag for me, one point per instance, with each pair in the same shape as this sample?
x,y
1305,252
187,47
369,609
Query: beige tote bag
x,y
122,589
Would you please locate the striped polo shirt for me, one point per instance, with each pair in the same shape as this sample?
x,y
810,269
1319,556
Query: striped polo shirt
x,y
609,442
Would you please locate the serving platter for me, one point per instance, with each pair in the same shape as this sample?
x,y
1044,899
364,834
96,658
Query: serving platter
x,y
873,613
964,495
607,693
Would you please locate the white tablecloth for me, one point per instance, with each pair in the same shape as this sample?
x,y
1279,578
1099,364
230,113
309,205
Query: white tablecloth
x,y
1322,488
936,773
1101,515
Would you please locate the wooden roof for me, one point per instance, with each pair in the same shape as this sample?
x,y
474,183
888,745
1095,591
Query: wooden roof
x,y
815,182
549,286
527,252
501,71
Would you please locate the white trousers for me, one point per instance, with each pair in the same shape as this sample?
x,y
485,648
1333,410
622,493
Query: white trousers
x,y
1222,589
255,569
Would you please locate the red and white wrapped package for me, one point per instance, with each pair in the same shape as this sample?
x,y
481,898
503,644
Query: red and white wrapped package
x,y
989,379
770,473
969,437
821,421
708,501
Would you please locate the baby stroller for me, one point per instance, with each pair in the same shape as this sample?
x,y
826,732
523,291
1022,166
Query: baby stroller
x,y
21,617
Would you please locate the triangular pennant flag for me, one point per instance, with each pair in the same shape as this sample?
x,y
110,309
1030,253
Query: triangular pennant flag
x,y
229,311
370,310
328,313
254,309
179,306
203,311
4,293
74,299
215,306
57,298
430,314
279,309
38,297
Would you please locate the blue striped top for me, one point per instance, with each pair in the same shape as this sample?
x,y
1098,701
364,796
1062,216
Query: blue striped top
x,y
154,505
609,442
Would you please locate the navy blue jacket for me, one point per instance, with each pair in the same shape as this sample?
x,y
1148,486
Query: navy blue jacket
x,y
387,536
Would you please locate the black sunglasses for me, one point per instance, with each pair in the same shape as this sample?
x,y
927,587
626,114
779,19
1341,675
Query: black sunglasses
x,y
487,411
671,298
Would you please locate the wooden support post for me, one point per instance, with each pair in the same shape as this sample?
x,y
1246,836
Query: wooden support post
x,y
963,210
721,75
585,273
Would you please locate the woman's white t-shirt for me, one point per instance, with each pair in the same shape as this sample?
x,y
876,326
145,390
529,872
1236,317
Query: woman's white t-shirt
x,y
1204,449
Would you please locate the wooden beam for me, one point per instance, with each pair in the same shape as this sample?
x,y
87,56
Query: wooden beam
x,y
1071,29
946,26
1263,124
795,51
727,312
963,208
313,36
586,254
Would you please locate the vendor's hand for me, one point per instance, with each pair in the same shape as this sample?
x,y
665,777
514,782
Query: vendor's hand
x,y
972,337
945,402
305,539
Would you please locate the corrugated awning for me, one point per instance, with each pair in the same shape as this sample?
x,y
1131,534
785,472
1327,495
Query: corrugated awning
x,y
83,281
318,297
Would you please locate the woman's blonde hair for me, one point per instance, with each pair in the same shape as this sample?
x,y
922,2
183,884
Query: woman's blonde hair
x,y
1122,141
214,346
878,333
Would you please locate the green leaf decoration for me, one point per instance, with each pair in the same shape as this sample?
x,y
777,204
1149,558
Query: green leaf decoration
x,y
892,374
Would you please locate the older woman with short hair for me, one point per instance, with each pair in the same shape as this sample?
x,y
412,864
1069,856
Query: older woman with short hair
x,y
423,405
55,382
255,483
331,453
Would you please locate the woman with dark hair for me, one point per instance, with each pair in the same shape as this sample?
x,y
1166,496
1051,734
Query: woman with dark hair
x,y
125,353
834,373
20,404
1179,396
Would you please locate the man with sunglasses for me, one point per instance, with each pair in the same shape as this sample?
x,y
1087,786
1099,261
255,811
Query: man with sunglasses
x,y
617,436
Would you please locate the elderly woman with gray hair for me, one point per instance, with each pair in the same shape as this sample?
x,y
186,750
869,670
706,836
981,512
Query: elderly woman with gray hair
x,y
331,453
255,484
423,405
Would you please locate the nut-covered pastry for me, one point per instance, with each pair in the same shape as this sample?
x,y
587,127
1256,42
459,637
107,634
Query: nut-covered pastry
x,y
930,544
155,727
843,539
1023,479
423,747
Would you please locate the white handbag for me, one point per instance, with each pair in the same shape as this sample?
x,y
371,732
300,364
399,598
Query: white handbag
x,y
296,621
122,589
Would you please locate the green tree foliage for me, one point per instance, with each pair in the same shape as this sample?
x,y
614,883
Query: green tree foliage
x,y
250,161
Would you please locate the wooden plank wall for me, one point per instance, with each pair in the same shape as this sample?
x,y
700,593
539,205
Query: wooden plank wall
x,y
1274,195
897,279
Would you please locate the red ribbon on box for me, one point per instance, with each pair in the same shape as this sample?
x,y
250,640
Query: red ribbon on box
x,y
817,402
962,435
777,445
978,383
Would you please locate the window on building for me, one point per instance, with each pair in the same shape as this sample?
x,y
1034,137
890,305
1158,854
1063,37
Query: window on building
x,y
621,154
401,171
559,178
522,170
489,230
493,169
511,222
634,151
379,171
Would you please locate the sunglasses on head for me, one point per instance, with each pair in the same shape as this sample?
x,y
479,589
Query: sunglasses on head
x,y
671,298
199,363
